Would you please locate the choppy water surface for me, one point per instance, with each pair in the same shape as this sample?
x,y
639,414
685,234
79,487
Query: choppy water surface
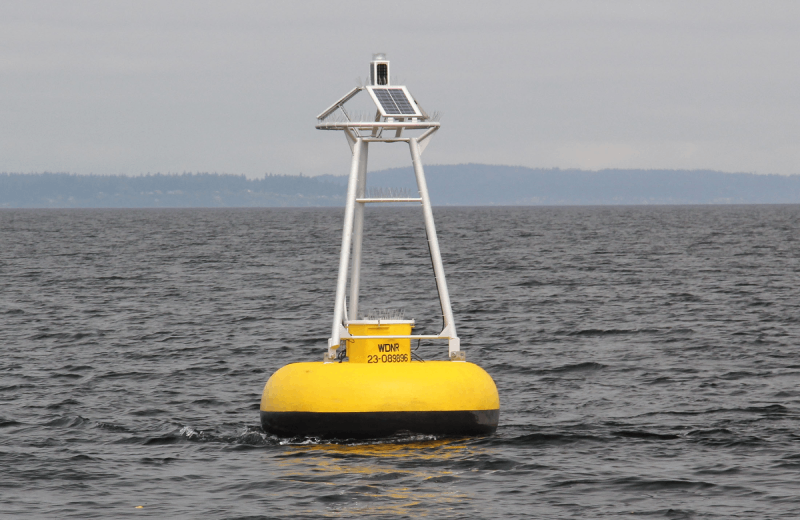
x,y
647,360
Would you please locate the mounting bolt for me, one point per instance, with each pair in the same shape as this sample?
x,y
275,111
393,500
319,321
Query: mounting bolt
x,y
458,355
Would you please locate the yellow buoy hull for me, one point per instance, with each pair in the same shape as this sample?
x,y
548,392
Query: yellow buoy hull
x,y
346,400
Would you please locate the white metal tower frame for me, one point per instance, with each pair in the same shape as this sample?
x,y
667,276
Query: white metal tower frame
x,y
359,135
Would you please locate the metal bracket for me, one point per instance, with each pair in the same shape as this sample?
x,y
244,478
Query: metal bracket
x,y
453,345
425,139
343,332
344,99
351,139
458,355
377,119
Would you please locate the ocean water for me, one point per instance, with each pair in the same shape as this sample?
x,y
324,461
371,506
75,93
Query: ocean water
x,y
647,359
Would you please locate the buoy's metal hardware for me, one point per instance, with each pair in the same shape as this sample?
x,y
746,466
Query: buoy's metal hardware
x,y
458,356
359,134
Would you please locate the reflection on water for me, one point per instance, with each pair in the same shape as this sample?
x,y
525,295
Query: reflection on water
x,y
385,478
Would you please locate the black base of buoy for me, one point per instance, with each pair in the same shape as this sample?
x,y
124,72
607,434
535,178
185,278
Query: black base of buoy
x,y
360,425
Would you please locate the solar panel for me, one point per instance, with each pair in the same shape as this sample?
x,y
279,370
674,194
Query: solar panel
x,y
394,101
400,99
386,101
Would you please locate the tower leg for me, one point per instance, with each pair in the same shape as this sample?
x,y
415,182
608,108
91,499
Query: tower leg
x,y
436,256
358,233
344,258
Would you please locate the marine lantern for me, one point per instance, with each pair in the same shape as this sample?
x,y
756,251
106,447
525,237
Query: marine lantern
x,y
367,384
379,70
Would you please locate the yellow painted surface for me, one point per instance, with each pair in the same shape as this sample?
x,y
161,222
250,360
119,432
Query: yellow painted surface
x,y
363,387
376,351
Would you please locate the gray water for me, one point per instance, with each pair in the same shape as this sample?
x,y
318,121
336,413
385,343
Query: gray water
x,y
647,360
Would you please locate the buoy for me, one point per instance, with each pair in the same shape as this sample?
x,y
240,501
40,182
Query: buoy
x,y
369,382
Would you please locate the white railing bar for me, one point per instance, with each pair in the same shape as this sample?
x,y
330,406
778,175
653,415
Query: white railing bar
x,y
400,199
436,256
344,99
344,255
418,336
380,124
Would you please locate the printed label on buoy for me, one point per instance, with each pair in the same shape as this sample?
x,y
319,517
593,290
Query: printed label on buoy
x,y
379,350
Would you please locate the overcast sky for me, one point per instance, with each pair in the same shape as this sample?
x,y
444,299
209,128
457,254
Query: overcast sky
x,y
171,86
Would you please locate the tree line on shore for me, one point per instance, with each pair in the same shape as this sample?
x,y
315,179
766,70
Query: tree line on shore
x,y
463,184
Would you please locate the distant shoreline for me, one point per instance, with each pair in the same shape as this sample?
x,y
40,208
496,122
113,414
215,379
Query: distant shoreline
x,y
450,185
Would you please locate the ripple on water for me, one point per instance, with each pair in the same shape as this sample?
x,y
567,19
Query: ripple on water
x,y
644,358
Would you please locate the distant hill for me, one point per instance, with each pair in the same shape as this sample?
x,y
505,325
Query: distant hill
x,y
485,184
462,184
62,190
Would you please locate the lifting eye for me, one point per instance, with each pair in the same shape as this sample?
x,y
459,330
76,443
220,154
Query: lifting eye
x,y
383,74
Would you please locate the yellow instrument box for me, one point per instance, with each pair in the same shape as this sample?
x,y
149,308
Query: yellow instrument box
x,y
378,350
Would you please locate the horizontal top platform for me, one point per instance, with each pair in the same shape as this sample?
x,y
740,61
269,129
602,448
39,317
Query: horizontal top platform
x,y
369,125
396,109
